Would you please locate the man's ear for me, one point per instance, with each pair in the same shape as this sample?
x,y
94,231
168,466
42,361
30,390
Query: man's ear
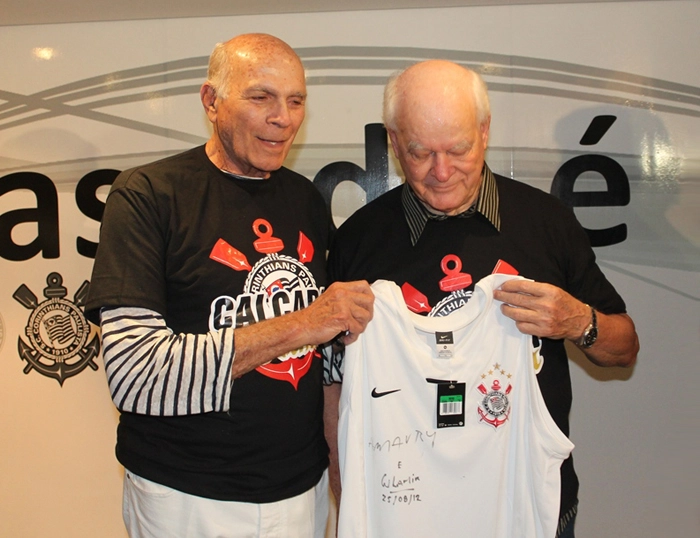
x,y
394,141
208,96
485,130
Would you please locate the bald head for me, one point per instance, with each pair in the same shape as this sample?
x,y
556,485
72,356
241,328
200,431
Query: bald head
x,y
433,85
437,116
255,99
246,50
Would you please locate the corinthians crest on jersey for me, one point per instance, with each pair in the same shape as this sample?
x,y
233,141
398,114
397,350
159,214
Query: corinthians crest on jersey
x,y
494,403
61,342
276,284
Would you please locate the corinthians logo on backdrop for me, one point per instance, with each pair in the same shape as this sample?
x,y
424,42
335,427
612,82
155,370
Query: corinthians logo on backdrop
x,y
276,285
59,341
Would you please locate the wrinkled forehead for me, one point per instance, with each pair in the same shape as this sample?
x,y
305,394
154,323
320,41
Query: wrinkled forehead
x,y
435,122
283,72
430,102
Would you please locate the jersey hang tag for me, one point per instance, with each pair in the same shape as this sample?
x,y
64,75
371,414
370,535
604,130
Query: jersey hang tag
x,y
444,345
450,405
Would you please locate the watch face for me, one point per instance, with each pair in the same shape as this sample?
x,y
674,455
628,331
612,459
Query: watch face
x,y
590,337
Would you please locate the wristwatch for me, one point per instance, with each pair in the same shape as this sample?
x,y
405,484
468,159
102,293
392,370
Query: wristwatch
x,y
590,335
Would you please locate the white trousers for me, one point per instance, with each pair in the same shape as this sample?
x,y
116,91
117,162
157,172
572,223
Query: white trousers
x,y
152,510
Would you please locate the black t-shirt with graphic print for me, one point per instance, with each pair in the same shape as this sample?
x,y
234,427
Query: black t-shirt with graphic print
x,y
209,250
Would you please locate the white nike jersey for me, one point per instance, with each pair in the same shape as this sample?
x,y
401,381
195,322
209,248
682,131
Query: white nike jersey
x,y
491,470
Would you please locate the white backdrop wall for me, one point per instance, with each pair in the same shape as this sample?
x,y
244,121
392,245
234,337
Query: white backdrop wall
x,y
106,96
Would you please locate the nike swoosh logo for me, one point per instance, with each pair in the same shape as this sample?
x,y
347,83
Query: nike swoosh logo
x,y
376,394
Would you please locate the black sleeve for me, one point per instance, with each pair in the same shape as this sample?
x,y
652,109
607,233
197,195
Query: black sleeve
x,y
129,267
586,280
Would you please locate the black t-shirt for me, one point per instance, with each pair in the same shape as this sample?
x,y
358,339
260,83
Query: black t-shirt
x,y
208,250
539,237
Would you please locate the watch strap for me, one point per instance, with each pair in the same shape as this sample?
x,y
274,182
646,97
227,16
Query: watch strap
x,y
590,334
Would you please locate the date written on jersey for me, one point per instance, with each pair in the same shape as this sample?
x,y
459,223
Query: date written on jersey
x,y
400,490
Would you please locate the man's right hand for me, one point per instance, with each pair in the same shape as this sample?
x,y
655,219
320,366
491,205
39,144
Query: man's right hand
x,y
344,308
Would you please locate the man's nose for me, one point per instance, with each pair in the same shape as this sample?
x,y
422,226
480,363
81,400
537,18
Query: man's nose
x,y
280,114
442,167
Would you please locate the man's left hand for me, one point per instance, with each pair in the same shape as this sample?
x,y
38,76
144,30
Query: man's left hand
x,y
543,310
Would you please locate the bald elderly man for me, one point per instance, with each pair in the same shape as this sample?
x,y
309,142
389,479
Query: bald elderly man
x,y
209,286
453,207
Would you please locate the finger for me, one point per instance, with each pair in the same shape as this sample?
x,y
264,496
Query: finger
x,y
525,319
361,301
357,323
516,300
529,328
526,287
516,285
504,296
350,338
515,313
359,319
355,286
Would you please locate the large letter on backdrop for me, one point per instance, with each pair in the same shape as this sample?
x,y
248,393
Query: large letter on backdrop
x,y
45,214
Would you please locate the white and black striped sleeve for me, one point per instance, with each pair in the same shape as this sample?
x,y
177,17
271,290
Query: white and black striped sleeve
x,y
333,355
152,371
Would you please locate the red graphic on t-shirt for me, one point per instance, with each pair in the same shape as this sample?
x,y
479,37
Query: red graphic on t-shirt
x,y
414,299
454,279
275,276
291,370
504,268
226,254
266,243
305,248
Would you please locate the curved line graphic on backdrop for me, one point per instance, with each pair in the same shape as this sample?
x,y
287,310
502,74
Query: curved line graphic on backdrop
x,y
346,65
325,65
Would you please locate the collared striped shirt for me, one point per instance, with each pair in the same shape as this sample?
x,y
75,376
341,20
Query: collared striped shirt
x,y
417,215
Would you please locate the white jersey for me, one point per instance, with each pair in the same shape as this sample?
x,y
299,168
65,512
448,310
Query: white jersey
x,y
446,439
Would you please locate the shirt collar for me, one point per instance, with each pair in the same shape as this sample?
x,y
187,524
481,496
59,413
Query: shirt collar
x,y
417,215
